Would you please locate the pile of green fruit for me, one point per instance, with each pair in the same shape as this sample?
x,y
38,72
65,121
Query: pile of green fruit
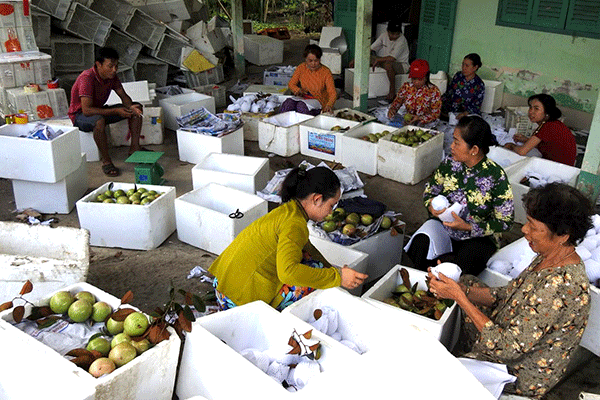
x,y
101,356
132,196
349,224
338,128
422,302
374,137
351,116
412,137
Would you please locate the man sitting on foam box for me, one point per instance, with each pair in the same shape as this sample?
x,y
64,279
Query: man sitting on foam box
x,y
390,51
89,112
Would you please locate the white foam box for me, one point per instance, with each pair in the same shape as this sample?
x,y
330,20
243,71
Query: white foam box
x,y
443,329
203,216
280,134
541,167
332,59
215,343
339,256
492,98
248,174
379,85
277,75
318,140
152,128
128,226
38,160
50,198
88,146
360,153
181,104
263,50
151,375
251,121
406,164
194,147
23,68
341,112
504,157
49,257
440,80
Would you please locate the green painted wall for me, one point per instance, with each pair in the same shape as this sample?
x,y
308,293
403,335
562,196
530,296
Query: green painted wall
x,y
528,62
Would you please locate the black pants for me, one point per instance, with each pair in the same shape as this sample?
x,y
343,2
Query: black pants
x,y
471,255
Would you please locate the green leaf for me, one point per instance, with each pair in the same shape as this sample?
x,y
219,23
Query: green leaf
x,y
198,303
177,307
188,314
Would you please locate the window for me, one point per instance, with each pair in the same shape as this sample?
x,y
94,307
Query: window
x,y
568,17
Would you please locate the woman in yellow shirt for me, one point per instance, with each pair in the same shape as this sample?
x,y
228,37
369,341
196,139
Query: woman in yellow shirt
x,y
264,262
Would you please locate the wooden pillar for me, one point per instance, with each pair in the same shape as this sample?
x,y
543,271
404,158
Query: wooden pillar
x,y
237,31
362,53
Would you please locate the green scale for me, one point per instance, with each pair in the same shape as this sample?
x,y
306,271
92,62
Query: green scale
x,y
147,170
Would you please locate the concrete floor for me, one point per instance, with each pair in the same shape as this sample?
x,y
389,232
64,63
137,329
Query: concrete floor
x,y
149,273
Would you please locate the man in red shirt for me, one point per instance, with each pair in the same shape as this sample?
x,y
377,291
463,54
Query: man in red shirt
x,y
89,112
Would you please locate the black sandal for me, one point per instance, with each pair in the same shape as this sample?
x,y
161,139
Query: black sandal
x,y
110,170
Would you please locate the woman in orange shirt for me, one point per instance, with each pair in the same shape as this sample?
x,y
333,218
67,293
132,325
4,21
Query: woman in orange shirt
x,y
312,85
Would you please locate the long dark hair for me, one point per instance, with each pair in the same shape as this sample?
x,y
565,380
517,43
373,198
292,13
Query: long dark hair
x,y
300,183
549,105
476,132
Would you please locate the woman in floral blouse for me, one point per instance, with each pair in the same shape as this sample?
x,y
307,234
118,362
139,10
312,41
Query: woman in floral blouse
x,y
481,187
421,97
465,93
535,322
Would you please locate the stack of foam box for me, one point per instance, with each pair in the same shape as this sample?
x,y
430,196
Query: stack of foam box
x,y
48,257
263,50
333,43
44,104
317,139
215,343
128,226
406,164
47,175
248,174
210,76
16,28
150,375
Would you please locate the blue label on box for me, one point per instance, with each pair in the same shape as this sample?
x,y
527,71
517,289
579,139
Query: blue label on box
x,y
323,142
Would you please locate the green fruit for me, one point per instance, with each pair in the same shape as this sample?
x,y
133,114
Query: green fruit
x,y
339,211
152,193
101,197
386,132
123,200
419,133
144,194
135,197
142,190
372,138
336,128
109,193
119,338
329,217
401,289
353,218
118,193
101,366
366,219
130,192
99,344
151,197
80,310
135,324
402,140
145,200
426,137
84,295
386,223
408,117
329,226
61,301
141,345
109,200
114,327
136,201
122,353
101,311
349,230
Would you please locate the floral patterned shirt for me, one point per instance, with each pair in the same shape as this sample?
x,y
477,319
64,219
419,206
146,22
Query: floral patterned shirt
x,y
424,102
483,190
463,95
537,322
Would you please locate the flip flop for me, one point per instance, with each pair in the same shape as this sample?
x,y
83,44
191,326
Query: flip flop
x,y
110,170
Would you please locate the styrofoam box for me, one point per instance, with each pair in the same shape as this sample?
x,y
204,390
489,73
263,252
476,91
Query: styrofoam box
x,y
248,174
263,50
332,59
203,216
347,110
128,226
492,98
541,167
88,146
318,140
152,129
280,134
407,164
216,340
50,198
181,104
443,329
504,157
440,80
251,121
277,76
150,375
379,85
360,153
38,160
49,257
194,147
23,68
339,256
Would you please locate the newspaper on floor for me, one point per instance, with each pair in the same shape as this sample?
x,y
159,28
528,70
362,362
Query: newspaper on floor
x,y
203,121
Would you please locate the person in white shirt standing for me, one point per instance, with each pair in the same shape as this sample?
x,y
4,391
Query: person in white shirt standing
x,y
390,51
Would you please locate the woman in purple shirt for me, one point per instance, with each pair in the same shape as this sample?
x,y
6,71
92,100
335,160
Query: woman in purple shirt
x,y
465,93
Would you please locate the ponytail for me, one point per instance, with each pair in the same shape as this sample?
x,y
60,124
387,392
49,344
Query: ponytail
x,y
300,183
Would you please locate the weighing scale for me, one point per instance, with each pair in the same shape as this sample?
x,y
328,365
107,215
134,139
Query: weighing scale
x,y
147,170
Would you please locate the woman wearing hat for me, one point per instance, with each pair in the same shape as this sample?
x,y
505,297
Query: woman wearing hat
x,y
421,97
553,138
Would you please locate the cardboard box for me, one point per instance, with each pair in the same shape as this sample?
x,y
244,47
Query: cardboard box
x,y
38,160
361,153
318,140
152,129
128,226
248,174
280,134
444,329
194,147
263,50
203,216
50,198
407,164
181,104
151,375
